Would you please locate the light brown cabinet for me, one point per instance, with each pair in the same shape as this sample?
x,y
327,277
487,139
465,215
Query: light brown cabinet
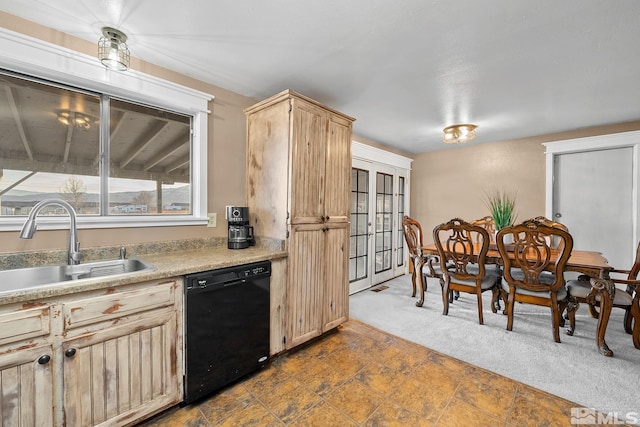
x,y
107,357
27,387
298,176
26,365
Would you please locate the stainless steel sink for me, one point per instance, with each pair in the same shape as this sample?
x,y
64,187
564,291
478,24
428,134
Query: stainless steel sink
x,y
29,278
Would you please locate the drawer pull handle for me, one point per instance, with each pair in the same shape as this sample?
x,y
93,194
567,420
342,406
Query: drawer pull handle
x,y
43,360
70,352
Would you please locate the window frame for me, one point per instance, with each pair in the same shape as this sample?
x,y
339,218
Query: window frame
x,y
37,58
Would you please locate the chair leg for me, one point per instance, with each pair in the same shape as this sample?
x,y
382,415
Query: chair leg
x,y
505,299
572,307
424,282
555,321
562,308
495,300
509,309
628,328
413,282
479,295
446,294
635,313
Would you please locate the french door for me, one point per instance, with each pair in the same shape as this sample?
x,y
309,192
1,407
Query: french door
x,y
378,202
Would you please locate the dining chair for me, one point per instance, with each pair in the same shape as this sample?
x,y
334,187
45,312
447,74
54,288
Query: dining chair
x,y
462,248
626,298
533,270
488,224
547,221
412,231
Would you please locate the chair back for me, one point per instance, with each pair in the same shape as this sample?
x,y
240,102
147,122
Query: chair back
x,y
547,221
413,236
635,269
462,245
488,224
531,255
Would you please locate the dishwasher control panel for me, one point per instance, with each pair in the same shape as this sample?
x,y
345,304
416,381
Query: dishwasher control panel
x,y
254,271
229,275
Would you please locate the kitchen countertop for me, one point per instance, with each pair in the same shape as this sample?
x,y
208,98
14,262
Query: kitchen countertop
x,y
166,264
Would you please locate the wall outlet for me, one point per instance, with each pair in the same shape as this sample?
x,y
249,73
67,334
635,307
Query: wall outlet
x,y
213,219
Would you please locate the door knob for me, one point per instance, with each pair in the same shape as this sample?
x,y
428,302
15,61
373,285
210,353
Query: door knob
x,y
70,352
43,360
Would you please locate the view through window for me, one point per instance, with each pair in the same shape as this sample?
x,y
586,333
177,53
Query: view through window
x,y
54,144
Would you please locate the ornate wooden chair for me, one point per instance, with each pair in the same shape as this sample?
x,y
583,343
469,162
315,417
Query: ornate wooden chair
x,y
627,299
413,236
547,221
462,248
488,224
533,270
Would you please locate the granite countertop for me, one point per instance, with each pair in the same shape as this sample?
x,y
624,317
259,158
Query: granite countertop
x,y
168,263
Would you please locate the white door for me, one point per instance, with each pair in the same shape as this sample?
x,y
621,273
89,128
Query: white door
x,y
361,228
378,200
593,197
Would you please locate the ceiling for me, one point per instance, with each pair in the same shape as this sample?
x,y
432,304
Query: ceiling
x,y
403,69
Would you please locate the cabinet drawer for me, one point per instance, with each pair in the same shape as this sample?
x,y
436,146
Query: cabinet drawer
x,y
25,323
97,309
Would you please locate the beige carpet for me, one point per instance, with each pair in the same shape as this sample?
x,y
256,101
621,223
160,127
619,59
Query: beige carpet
x,y
572,369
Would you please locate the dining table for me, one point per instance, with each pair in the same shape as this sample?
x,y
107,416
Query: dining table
x,y
590,263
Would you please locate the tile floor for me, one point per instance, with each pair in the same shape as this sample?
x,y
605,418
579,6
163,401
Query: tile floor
x,y
361,376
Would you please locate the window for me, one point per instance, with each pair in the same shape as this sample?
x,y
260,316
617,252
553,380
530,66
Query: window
x,y
125,154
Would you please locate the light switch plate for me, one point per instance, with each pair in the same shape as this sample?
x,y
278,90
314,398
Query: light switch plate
x,y
213,219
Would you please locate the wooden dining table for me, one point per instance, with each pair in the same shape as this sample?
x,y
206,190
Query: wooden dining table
x,y
590,263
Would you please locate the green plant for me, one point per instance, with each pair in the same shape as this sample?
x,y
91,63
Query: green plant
x,y
502,204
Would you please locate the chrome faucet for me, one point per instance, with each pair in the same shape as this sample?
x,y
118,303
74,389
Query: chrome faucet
x,y
29,227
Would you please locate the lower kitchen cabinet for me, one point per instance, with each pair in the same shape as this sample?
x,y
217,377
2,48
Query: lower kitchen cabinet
x,y
27,387
317,291
106,357
122,372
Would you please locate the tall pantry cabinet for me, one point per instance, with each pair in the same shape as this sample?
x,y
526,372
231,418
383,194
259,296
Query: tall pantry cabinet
x,y
298,178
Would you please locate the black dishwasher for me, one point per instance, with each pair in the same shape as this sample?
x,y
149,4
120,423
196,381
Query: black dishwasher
x,y
226,326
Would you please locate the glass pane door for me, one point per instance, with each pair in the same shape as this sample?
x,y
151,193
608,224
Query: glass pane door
x,y
376,252
400,252
359,252
384,222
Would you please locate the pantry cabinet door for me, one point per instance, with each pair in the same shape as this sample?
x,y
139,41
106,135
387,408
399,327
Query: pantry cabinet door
x,y
338,170
305,283
307,163
336,276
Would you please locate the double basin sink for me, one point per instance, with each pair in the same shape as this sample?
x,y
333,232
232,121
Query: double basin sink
x,y
34,277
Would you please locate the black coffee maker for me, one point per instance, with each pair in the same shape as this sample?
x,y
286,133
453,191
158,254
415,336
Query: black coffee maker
x,y
240,232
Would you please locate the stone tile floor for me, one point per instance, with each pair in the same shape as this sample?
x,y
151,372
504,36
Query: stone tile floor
x,y
361,376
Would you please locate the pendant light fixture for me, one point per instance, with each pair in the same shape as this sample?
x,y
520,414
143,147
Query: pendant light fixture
x,y
112,49
459,134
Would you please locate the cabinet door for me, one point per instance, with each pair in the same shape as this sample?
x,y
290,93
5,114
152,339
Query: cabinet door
x,y
305,283
307,162
338,170
27,387
122,373
336,276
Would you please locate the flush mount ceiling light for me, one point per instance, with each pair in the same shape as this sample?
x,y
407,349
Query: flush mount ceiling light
x,y
112,49
75,118
459,134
